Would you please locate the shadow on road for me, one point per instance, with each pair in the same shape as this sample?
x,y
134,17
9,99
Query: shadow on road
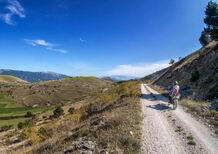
x,y
148,96
159,107
157,97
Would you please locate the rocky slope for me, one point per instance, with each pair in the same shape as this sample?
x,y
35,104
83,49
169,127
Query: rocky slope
x,y
197,73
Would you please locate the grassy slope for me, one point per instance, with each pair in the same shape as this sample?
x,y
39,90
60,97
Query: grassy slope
x,y
115,112
11,79
12,122
14,97
54,92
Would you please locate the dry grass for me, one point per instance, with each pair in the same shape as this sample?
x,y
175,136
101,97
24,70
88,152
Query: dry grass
x,y
11,79
113,123
201,109
55,92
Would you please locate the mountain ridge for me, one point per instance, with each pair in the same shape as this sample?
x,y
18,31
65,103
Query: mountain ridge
x,y
33,76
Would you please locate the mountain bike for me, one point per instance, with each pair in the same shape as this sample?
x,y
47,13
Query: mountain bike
x,y
174,101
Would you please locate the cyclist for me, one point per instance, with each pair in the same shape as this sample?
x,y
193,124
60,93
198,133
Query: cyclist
x,y
175,92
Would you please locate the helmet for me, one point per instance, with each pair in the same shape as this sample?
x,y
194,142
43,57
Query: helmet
x,y
176,82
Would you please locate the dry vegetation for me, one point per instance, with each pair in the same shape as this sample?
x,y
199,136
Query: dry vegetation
x,y
53,92
106,121
202,109
10,79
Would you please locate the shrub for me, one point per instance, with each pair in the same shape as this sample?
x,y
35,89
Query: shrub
x,y
191,142
20,125
29,114
6,128
58,112
30,133
130,144
84,131
92,108
190,137
44,133
195,76
25,124
71,110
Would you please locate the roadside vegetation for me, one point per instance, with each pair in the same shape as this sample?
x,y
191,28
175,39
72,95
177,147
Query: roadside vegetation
x,y
204,110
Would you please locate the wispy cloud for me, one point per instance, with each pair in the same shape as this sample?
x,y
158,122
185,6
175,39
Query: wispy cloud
x,y
138,70
82,40
12,8
46,44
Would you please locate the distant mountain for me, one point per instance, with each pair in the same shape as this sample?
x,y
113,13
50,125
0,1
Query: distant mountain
x,y
119,78
33,76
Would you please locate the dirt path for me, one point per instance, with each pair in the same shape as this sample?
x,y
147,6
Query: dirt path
x,y
165,131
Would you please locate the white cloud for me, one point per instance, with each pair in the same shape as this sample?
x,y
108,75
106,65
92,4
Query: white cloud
x,y
39,43
57,50
82,40
138,70
46,44
13,7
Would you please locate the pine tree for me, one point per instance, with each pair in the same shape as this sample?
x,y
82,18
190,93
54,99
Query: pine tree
x,y
205,38
210,33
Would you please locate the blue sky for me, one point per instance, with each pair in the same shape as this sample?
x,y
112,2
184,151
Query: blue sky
x,y
98,37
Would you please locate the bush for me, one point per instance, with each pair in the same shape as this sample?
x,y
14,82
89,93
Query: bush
x,y
30,133
29,114
93,108
130,144
195,76
6,128
25,124
58,112
191,142
190,137
71,110
44,133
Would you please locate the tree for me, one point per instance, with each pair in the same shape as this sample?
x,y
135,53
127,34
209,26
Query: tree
x,y
210,33
195,76
211,15
205,38
172,61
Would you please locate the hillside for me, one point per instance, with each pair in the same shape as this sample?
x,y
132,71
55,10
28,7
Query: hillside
x,y
10,79
54,92
154,75
33,76
108,121
197,73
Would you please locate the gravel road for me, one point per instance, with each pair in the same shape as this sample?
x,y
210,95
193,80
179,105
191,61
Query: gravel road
x,y
167,131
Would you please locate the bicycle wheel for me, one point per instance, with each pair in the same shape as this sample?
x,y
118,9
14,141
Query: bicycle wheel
x,y
175,104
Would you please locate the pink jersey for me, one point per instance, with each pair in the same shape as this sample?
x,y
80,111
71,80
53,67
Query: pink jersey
x,y
176,90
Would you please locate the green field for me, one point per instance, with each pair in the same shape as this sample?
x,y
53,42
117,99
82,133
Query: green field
x,y
12,122
12,113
